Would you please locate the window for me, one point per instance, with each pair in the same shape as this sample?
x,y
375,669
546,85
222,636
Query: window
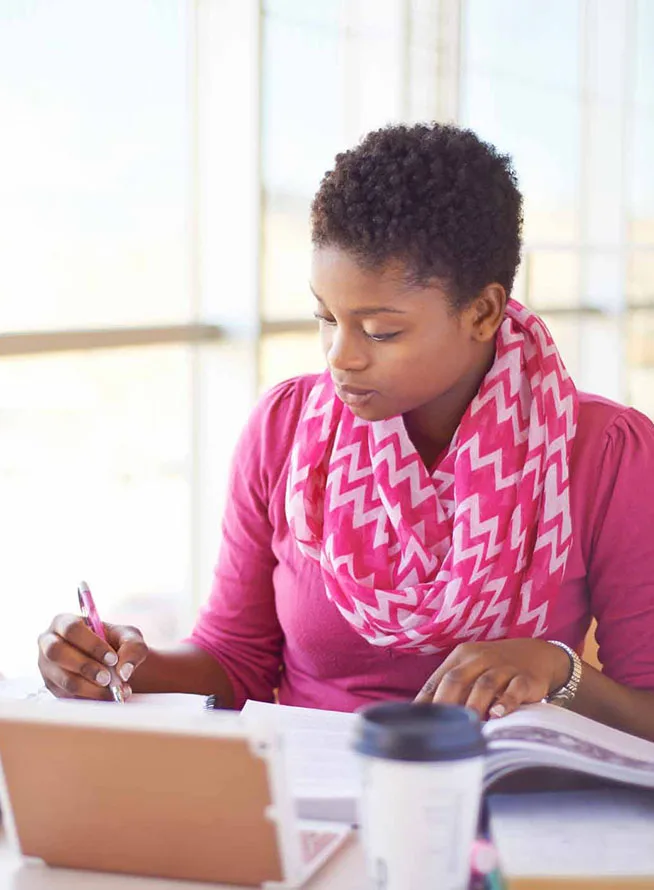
x,y
157,165
640,220
95,444
94,164
95,484
516,98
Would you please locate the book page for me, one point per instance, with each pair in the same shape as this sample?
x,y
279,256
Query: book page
x,y
527,721
589,833
322,767
550,736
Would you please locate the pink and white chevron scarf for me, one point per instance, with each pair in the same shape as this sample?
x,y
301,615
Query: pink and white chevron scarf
x,y
475,549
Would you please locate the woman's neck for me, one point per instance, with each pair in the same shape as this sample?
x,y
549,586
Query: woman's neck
x,y
431,427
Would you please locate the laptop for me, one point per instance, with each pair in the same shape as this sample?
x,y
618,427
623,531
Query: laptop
x,y
149,791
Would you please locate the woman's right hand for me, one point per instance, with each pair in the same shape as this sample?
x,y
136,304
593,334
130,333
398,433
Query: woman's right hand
x,y
75,663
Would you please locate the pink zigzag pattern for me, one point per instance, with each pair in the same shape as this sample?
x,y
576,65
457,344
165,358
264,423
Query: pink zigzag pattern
x,y
476,549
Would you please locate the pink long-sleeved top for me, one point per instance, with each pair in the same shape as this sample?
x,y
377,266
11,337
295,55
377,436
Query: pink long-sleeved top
x,y
268,620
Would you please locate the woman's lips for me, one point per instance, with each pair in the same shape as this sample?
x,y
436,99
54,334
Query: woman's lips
x,y
356,398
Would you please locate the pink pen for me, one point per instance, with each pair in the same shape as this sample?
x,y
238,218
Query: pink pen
x,y
92,619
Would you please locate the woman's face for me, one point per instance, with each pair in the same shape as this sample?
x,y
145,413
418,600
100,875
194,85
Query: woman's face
x,y
392,348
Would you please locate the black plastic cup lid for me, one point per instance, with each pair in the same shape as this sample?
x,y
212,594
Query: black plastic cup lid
x,y
404,731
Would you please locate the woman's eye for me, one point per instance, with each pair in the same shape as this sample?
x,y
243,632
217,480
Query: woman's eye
x,y
382,338
324,319
376,338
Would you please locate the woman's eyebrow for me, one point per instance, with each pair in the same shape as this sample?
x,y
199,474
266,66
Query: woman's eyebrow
x,y
364,310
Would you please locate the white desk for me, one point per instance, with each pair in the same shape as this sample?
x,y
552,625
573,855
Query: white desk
x,y
343,872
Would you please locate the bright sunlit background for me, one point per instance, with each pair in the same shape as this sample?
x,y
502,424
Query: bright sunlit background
x,y
157,160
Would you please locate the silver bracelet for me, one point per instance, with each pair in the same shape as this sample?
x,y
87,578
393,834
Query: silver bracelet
x,y
564,694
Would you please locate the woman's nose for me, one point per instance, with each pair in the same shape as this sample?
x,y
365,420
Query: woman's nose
x,y
344,353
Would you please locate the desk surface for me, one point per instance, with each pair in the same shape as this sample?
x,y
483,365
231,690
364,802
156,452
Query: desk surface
x,y
343,872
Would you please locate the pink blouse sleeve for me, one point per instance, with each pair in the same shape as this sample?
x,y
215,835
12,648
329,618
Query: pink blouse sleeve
x,y
238,625
621,567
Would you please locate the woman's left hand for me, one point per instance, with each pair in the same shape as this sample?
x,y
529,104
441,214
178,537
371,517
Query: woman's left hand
x,y
494,678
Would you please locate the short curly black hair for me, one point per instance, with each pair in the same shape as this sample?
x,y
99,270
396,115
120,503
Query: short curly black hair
x,y
432,196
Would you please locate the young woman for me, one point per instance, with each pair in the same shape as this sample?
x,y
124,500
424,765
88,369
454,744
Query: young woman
x,y
441,509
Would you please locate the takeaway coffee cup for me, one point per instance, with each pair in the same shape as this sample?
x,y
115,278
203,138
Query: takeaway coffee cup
x,y
419,806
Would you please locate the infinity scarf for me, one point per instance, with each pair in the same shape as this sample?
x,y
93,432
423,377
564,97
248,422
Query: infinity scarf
x,y
473,550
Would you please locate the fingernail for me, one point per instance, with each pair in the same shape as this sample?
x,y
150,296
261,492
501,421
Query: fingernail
x,y
111,659
126,671
498,710
103,678
127,691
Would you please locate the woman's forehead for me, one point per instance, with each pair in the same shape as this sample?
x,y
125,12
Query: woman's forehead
x,y
336,274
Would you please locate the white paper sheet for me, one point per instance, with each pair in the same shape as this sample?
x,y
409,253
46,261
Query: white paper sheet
x,y
324,771
22,688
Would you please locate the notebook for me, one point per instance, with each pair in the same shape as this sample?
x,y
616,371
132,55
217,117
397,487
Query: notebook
x,y
582,840
168,792
31,688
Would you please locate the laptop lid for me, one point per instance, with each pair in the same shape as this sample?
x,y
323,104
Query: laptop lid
x,y
143,791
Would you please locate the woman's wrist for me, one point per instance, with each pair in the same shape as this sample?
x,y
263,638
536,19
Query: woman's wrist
x,y
566,679
186,668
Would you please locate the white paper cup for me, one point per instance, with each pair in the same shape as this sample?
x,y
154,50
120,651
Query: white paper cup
x,y
419,807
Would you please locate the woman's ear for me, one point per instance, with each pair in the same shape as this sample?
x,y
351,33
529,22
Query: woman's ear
x,y
486,312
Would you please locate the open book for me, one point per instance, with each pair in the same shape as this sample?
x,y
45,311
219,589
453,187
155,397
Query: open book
x,y
324,772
